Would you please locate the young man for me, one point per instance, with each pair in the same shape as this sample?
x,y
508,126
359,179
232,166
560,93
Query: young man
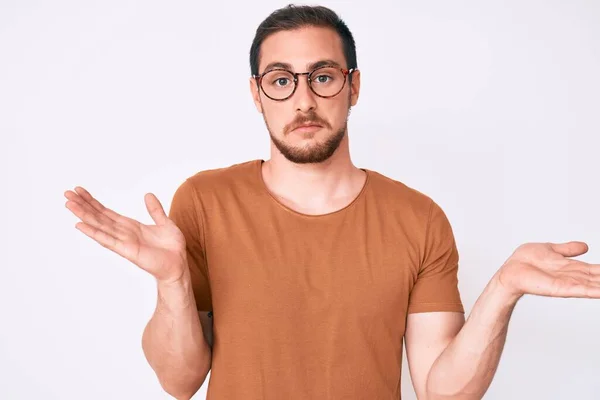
x,y
301,277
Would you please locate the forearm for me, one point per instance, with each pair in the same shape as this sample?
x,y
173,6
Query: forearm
x,y
465,369
173,341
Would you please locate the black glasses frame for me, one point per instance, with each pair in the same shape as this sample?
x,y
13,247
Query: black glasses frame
x,y
345,72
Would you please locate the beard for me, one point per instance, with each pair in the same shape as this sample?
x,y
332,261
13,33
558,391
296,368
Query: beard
x,y
312,153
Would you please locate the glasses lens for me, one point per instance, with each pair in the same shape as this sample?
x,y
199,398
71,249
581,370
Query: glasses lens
x,y
278,84
327,81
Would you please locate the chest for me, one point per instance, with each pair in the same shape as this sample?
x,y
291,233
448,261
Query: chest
x,y
341,272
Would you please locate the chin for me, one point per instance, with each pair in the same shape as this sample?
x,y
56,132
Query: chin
x,y
312,150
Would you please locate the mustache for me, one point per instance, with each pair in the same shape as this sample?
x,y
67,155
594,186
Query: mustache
x,y
303,119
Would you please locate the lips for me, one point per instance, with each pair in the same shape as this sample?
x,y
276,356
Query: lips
x,y
307,126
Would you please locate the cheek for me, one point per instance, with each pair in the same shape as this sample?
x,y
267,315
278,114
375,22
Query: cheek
x,y
277,115
340,112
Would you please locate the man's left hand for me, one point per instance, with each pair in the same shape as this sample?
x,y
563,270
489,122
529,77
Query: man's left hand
x,y
545,269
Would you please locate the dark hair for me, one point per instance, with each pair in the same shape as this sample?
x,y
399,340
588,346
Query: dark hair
x,y
294,17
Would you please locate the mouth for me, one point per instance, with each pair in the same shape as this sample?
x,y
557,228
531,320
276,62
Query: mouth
x,y
305,128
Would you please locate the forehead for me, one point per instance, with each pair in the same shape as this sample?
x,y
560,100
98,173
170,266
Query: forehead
x,y
300,47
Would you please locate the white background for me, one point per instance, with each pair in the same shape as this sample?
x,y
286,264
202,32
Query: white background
x,y
492,109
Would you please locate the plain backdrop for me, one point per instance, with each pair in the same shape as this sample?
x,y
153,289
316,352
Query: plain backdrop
x,y
491,108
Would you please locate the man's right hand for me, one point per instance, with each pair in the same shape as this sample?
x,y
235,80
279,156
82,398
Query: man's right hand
x,y
158,249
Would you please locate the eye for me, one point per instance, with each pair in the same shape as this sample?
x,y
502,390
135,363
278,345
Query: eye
x,y
322,78
281,81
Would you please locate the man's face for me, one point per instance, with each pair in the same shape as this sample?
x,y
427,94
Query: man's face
x,y
305,128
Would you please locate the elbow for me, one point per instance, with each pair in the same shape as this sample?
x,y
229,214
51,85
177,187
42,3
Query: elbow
x,y
182,389
433,390
183,385
431,394
180,377
442,390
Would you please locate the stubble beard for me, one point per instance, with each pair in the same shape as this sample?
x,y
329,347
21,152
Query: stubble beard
x,y
313,153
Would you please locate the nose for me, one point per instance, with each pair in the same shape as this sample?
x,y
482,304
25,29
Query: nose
x,y
304,98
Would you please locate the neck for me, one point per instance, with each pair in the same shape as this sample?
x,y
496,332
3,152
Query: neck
x,y
317,187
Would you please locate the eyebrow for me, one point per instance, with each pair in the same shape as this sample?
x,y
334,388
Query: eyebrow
x,y
309,67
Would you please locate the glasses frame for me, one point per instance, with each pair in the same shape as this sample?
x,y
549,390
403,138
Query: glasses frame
x,y
345,71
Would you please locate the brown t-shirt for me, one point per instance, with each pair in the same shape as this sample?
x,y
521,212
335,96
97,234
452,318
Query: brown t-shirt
x,y
312,307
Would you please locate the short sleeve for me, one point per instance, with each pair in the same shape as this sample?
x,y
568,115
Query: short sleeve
x,y
436,287
185,213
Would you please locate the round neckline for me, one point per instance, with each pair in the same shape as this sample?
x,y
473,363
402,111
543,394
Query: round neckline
x,y
258,166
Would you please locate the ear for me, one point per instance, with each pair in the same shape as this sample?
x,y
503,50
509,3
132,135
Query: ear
x,y
255,91
355,88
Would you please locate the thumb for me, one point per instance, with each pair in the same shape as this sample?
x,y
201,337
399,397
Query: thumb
x,y
570,249
155,209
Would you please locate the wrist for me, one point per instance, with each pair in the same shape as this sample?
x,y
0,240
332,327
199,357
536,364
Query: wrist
x,y
176,275
505,294
496,303
179,280
176,293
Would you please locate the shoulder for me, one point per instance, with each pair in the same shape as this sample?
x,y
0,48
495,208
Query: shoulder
x,y
223,179
396,194
211,184
410,206
232,174
417,212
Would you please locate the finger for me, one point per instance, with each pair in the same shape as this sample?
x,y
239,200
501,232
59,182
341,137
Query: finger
x,y
76,198
98,235
581,276
96,204
71,195
587,291
155,209
94,219
577,287
592,292
576,265
104,239
570,249
118,225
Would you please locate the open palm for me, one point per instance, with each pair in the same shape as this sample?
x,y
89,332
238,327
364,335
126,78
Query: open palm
x,y
158,249
545,269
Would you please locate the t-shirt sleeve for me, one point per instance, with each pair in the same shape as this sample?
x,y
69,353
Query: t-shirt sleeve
x,y
436,287
185,212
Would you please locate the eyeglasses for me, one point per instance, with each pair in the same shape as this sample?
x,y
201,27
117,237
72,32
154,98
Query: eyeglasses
x,y
280,84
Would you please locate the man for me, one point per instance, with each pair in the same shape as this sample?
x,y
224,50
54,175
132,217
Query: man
x,y
300,277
